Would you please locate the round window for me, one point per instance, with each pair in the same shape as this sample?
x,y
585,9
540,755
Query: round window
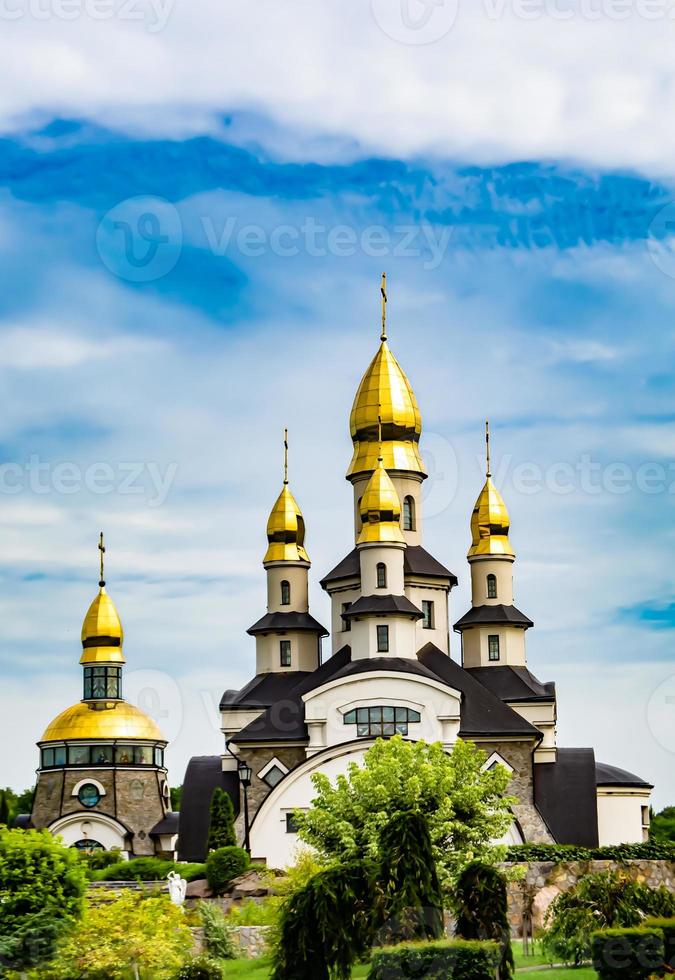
x,y
89,795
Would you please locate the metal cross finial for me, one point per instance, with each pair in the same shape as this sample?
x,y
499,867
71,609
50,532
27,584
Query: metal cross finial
x,y
379,434
101,548
285,457
383,290
487,448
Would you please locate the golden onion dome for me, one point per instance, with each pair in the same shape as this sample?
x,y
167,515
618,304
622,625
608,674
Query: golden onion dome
x,y
286,530
107,720
385,392
490,524
380,509
102,633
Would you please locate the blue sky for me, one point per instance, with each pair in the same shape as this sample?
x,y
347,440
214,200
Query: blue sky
x,y
193,223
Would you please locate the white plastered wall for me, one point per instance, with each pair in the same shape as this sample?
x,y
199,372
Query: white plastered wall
x,y
620,814
90,826
304,652
511,646
417,592
402,637
297,578
502,569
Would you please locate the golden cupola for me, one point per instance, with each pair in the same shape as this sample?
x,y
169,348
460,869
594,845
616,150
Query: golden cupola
x,y
286,525
102,633
490,518
380,510
385,392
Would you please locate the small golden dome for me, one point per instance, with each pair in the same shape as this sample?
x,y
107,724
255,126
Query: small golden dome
x,y
380,509
118,720
102,633
286,530
385,391
490,524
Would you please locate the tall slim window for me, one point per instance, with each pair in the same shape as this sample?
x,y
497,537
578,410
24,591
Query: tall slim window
x,y
492,586
428,610
408,514
285,593
102,682
383,639
285,653
346,623
381,575
493,648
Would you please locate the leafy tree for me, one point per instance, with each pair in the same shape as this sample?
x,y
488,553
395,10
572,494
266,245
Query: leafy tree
x,y
176,797
217,934
4,808
482,910
662,826
411,893
42,886
135,935
221,827
223,865
326,925
465,806
16,803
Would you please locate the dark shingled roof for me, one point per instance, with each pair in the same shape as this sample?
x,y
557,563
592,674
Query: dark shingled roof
x,y
611,776
496,614
565,795
287,621
403,665
381,604
264,689
203,774
416,561
513,683
167,825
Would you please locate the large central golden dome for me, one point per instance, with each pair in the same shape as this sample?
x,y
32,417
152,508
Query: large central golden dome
x,y
118,720
385,392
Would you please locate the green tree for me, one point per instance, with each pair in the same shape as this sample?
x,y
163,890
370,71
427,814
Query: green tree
x,y
4,808
176,797
221,826
42,886
134,936
411,893
662,826
482,910
465,806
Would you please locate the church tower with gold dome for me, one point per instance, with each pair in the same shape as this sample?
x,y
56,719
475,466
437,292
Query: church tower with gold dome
x,y
102,782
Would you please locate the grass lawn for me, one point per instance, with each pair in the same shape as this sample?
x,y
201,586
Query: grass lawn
x,y
565,973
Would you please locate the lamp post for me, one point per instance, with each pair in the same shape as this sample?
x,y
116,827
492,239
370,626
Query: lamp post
x,y
245,774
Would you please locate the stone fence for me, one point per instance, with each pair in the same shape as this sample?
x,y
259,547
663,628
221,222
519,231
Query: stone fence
x,y
544,880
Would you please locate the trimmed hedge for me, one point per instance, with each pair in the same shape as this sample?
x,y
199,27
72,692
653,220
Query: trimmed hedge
x,y
225,864
648,851
631,954
148,869
445,960
667,927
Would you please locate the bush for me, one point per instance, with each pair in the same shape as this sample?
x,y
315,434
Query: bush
x,y
667,927
42,886
632,954
217,936
200,968
148,869
456,960
223,865
252,913
98,860
221,821
482,911
652,850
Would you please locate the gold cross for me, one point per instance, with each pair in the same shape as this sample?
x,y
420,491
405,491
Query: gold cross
x,y
101,548
285,456
383,290
487,448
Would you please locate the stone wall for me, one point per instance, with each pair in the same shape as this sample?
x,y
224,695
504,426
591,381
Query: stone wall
x,y
544,880
519,756
290,756
252,940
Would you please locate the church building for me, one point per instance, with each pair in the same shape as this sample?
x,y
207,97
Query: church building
x,y
390,668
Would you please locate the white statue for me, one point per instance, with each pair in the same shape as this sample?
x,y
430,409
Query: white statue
x,y
177,888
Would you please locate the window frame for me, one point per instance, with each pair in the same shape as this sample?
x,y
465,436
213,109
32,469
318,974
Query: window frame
x,y
491,586
408,513
285,648
428,620
491,651
381,575
382,633
285,588
382,721
346,623
110,675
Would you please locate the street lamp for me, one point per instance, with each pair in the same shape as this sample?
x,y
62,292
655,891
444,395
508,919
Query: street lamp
x,y
245,774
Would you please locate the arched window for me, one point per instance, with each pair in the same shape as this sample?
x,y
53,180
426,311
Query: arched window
x,y
408,514
381,575
492,586
285,593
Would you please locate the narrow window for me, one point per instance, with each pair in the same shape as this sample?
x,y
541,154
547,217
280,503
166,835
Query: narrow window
x,y
291,823
285,653
428,610
492,586
285,593
493,648
346,623
383,639
408,514
381,575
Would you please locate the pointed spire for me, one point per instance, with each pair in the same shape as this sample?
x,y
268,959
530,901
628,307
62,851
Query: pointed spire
x,y
285,457
487,449
102,633
101,548
490,518
383,290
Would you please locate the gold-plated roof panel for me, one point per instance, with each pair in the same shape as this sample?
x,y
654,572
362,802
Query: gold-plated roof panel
x,y
286,530
490,524
118,720
380,509
102,633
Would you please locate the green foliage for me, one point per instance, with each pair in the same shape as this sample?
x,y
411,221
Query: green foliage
x,y
223,865
631,954
253,913
457,960
465,806
176,797
217,935
4,808
16,803
482,911
98,860
325,926
134,935
221,826
147,869
667,927
411,893
607,900
200,968
651,850
42,886
662,826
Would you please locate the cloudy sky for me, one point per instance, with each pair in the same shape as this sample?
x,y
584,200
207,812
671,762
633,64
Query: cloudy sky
x,y
197,200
